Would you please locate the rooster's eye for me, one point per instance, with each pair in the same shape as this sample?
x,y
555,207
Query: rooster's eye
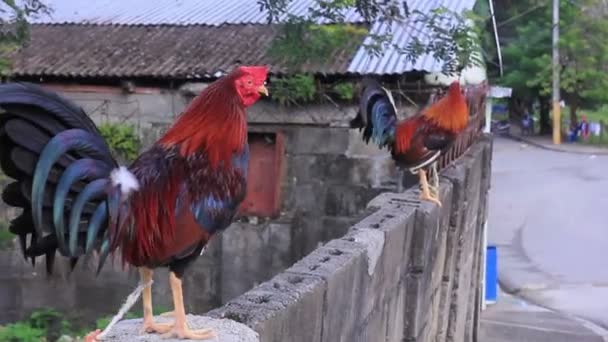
x,y
249,82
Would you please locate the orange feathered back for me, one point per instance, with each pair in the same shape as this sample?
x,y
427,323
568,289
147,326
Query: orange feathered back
x,y
451,113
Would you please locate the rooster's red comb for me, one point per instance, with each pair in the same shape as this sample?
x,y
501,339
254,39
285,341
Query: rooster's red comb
x,y
257,71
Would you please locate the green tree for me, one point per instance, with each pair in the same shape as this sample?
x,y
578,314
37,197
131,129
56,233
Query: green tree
x,y
583,50
584,59
14,18
527,58
123,140
452,38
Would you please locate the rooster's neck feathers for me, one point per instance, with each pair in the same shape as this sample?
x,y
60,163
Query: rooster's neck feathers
x,y
451,113
214,123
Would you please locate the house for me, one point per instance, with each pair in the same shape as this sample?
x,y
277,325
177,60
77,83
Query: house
x,y
142,61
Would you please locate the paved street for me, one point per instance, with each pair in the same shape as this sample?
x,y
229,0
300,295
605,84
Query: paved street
x,y
515,320
549,219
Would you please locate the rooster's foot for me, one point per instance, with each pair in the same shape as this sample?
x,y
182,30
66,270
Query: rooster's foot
x,y
186,333
430,199
156,328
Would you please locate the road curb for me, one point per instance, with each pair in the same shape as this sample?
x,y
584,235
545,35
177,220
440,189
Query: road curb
x,y
551,148
592,326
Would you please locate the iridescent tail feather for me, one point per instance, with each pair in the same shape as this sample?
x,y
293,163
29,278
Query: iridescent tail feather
x,y
60,167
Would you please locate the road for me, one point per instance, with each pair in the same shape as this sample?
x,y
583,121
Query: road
x,y
549,219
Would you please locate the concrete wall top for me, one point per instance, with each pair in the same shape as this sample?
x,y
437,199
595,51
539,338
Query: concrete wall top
x,y
410,271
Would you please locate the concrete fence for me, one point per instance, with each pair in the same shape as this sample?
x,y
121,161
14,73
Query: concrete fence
x,y
409,271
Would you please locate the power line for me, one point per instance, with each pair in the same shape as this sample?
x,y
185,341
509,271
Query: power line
x,y
499,52
517,16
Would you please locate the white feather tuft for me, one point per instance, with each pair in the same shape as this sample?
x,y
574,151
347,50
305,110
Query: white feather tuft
x,y
127,181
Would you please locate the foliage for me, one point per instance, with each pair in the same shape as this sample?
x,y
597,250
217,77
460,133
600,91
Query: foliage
x,y
291,90
452,39
15,29
21,332
583,50
528,58
584,57
302,41
122,139
44,324
598,114
371,10
344,90
6,237
50,321
103,322
49,325
453,45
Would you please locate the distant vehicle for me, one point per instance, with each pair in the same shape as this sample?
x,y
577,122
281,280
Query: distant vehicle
x,y
501,127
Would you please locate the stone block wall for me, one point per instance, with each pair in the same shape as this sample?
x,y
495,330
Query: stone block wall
x,y
409,271
329,176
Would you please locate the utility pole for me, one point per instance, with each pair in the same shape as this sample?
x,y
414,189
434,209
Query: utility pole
x,y
557,135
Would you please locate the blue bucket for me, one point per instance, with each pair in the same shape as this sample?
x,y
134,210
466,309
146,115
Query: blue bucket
x,y
491,275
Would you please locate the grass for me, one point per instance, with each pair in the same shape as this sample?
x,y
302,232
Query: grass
x,y
600,114
6,237
42,325
596,115
45,323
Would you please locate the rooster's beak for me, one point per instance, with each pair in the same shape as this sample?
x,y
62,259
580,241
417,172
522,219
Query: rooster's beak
x,y
263,90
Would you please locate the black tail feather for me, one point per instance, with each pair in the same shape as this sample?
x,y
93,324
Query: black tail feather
x,y
13,196
32,117
377,114
45,103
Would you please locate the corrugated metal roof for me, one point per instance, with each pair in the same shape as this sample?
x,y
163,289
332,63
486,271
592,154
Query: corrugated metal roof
x,y
168,12
392,61
154,54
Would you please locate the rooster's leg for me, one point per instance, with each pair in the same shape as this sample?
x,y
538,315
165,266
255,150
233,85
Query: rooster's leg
x,y
434,175
436,180
426,193
149,325
181,329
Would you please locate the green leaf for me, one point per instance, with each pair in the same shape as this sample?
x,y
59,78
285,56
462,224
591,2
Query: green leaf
x,y
21,332
122,139
15,27
301,42
296,89
345,90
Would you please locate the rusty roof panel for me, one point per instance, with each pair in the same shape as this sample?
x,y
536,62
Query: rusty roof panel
x,y
177,52
194,39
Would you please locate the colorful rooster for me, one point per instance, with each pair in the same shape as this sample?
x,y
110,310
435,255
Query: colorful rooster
x,y
160,212
416,142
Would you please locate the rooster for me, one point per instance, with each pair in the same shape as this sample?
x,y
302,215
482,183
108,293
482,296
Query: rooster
x,y
416,142
159,212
